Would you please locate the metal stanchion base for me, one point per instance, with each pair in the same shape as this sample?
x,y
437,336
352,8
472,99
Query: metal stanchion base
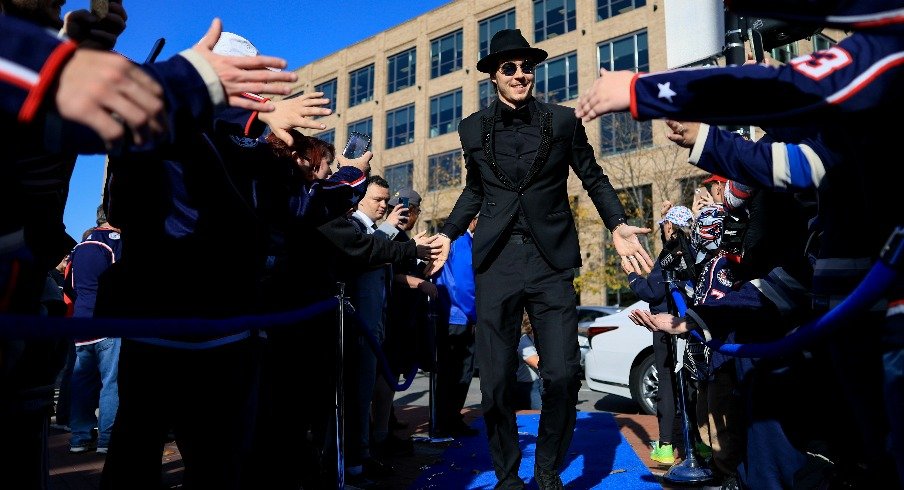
x,y
688,471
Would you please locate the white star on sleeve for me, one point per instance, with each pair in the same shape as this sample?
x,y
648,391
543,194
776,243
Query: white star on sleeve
x,y
666,92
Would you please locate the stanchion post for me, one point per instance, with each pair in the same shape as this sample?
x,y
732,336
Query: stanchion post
x,y
691,470
340,394
431,393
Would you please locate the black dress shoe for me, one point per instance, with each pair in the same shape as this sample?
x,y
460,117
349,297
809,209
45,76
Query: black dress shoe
x,y
547,479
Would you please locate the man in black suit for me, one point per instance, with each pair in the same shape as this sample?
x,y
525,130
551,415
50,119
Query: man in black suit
x,y
517,153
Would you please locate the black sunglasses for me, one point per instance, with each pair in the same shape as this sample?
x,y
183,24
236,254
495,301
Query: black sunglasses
x,y
509,68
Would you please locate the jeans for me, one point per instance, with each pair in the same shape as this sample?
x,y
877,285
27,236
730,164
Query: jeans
x,y
94,384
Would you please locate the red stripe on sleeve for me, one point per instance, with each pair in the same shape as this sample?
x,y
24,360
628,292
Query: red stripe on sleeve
x,y
47,76
634,96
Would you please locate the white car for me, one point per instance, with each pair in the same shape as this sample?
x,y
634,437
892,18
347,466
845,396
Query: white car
x,y
586,315
620,358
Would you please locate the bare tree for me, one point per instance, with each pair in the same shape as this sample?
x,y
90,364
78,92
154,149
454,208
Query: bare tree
x,y
646,172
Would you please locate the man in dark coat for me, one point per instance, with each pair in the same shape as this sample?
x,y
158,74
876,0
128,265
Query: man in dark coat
x,y
518,152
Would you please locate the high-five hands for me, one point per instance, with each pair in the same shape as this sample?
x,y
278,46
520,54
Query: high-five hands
x,y
624,238
239,74
443,244
428,249
296,112
659,322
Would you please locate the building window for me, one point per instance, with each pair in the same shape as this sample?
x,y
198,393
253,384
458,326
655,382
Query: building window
x,y
399,176
401,70
494,24
486,90
822,42
786,53
618,131
553,17
400,126
445,54
611,8
329,92
445,113
444,170
365,126
557,79
361,85
328,136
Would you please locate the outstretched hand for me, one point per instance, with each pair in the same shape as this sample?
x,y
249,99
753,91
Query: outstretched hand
x,y
624,238
659,322
428,248
444,244
240,74
683,133
296,112
107,92
611,92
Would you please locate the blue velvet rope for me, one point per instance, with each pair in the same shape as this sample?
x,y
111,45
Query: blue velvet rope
x,y
381,358
41,327
679,301
867,293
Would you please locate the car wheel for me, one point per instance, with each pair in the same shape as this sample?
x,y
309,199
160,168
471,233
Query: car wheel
x,y
644,382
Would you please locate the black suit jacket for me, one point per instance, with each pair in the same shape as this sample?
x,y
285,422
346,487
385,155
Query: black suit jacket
x,y
542,195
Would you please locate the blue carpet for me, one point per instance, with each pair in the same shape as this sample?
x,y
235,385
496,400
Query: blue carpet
x,y
599,458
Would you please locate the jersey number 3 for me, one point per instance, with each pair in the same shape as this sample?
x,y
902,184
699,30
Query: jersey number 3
x,y
821,64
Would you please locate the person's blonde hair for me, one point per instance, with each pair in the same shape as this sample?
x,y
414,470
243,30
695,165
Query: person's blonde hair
x,y
526,328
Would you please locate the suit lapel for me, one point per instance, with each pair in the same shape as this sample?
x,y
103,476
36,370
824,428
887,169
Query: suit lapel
x,y
487,123
545,145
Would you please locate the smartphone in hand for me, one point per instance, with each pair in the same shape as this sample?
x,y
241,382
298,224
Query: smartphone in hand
x,y
357,144
100,8
404,202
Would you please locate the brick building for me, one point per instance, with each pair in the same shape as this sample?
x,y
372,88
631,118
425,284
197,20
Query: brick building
x,y
409,87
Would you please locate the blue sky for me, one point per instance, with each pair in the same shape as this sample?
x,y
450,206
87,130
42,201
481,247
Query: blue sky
x,y
300,31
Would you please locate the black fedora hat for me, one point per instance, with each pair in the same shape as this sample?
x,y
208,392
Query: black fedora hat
x,y
507,43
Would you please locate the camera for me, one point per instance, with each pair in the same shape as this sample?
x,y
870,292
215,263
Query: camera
x,y
357,144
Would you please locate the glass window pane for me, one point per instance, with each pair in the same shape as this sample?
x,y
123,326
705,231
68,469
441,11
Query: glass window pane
x,y
487,93
361,85
400,126
329,92
328,136
488,27
401,70
557,79
446,54
553,17
399,176
444,170
365,126
445,113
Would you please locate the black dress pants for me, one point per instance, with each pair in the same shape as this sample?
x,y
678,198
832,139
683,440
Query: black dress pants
x,y
520,279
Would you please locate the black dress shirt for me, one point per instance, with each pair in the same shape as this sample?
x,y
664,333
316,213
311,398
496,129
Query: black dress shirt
x,y
517,138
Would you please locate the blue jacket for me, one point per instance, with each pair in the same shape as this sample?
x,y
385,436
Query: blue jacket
x,y
455,283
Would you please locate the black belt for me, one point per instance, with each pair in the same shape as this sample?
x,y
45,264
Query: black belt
x,y
520,239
